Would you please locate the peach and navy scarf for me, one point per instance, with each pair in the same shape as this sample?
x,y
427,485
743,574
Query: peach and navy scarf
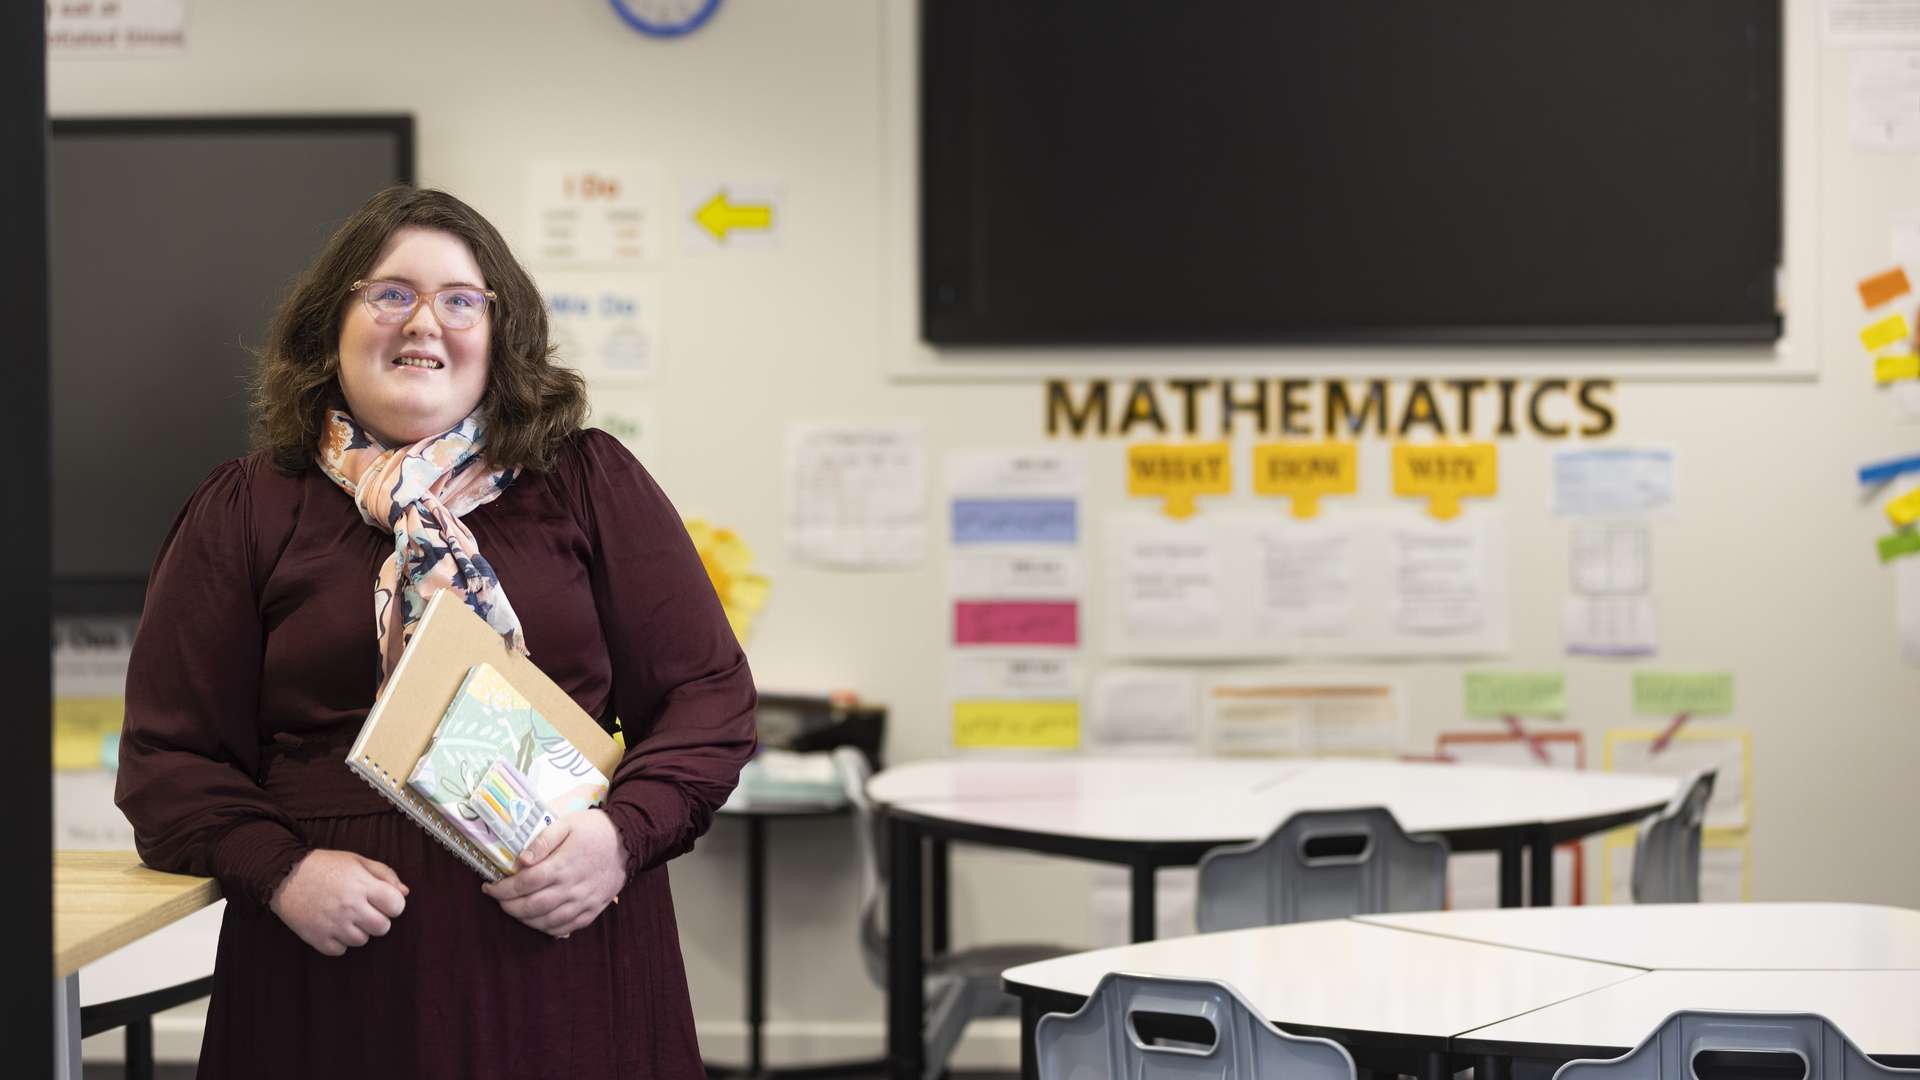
x,y
419,493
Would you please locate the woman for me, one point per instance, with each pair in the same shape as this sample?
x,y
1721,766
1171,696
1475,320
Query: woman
x,y
415,437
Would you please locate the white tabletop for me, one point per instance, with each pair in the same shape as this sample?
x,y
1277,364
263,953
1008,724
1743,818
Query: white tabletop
x,y
1206,799
1878,1010
1705,936
1347,976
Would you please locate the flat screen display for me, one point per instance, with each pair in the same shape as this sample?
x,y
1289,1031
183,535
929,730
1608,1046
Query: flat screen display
x,y
170,242
1248,171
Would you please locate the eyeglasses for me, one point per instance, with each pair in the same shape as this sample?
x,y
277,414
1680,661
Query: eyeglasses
x,y
391,302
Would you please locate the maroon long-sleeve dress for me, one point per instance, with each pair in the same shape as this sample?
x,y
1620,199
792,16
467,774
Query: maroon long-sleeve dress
x,y
252,671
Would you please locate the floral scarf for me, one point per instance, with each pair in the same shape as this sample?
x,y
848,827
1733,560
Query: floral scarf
x,y
419,493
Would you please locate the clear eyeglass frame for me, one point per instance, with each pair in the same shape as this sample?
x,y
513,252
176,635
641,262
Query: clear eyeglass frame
x,y
443,301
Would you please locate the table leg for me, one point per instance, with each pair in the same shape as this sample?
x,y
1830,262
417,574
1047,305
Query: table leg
x,y
756,938
1540,869
940,924
1493,1067
1030,1014
906,963
1436,1067
139,1042
66,1028
1144,920
1511,894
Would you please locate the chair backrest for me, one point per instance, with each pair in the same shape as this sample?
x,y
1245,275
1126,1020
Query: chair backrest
x,y
1322,864
1113,1035
1693,1044
869,830
1666,858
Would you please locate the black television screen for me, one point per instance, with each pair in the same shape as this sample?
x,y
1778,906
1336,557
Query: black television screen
x,y
1247,171
170,241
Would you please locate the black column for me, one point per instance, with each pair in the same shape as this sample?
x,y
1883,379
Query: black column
x,y
906,961
26,990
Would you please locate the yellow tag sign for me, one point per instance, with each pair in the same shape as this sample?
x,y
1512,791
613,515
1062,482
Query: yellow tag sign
x,y
980,725
1178,472
81,727
1305,471
1905,510
1888,369
1444,473
1884,333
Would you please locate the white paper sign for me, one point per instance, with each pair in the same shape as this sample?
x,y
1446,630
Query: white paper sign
x,y
116,27
1610,558
856,496
1025,573
1685,756
606,326
1306,587
1865,23
1439,578
1169,584
1884,100
1012,678
1149,709
599,214
1610,626
1293,716
1612,482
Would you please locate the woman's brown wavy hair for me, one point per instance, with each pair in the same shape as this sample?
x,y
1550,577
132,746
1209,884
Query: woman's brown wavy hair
x,y
530,405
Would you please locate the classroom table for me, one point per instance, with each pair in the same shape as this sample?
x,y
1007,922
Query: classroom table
x,y
1491,999
1150,813
102,901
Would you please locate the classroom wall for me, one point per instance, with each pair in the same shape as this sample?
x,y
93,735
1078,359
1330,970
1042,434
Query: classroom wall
x,y
1765,569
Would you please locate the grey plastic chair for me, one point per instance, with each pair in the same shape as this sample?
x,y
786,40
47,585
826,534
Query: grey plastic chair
x,y
960,985
1104,1038
1322,864
1674,1050
1666,856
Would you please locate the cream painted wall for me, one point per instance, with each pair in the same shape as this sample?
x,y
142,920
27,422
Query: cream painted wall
x,y
1767,569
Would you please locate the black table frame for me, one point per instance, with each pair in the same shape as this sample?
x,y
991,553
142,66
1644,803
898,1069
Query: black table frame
x,y
917,909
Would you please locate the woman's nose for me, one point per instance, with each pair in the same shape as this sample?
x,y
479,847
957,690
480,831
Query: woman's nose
x,y
423,322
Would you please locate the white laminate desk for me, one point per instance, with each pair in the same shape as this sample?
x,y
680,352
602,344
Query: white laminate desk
x,y
1878,1010
1699,936
1381,996
1170,811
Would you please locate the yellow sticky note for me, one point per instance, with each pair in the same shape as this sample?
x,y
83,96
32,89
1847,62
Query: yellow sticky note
x,y
81,726
1177,472
1445,473
1888,369
1305,471
1886,332
1905,510
979,725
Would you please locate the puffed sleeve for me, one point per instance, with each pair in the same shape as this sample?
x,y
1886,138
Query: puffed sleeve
x,y
681,686
189,753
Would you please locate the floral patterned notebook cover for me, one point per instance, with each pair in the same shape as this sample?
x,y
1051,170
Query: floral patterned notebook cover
x,y
488,720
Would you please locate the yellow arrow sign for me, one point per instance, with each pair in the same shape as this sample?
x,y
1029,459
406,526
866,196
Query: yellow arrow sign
x,y
720,217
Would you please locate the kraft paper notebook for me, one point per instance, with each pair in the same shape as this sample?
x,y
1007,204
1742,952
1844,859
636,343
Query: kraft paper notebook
x,y
446,646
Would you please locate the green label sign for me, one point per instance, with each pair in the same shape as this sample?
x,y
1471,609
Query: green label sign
x,y
1665,693
1516,693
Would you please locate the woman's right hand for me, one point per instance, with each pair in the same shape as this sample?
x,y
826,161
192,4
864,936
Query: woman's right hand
x,y
337,900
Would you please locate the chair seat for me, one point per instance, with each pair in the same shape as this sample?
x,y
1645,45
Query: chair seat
x,y
990,960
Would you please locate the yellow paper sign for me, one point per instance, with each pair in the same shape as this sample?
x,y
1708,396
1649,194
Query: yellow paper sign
x,y
1887,331
1888,369
1305,471
1905,510
1178,472
1445,473
980,725
81,727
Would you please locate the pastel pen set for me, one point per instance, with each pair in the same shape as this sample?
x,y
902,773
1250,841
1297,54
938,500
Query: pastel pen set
x,y
506,804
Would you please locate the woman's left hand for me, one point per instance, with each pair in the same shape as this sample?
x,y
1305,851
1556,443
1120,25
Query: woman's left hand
x,y
566,877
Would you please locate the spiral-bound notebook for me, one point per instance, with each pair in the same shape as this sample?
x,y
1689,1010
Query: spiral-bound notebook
x,y
446,645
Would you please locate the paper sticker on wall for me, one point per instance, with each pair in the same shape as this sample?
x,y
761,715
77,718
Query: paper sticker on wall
x,y
1016,622
1882,287
1905,510
1516,693
1884,332
1014,521
1670,693
729,215
1444,473
606,326
81,727
980,725
1612,481
1896,367
1303,472
1023,573
1278,715
1179,473
1153,710
597,214
856,495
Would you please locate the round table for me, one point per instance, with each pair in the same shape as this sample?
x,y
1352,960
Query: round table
x,y
1439,991
1149,813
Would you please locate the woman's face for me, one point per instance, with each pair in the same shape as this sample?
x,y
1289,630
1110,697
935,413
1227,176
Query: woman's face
x,y
408,380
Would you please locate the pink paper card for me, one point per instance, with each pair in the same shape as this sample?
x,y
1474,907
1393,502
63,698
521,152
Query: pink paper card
x,y
1024,622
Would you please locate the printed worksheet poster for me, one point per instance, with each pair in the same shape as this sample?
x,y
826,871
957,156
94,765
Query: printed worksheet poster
x,y
1144,710
856,495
